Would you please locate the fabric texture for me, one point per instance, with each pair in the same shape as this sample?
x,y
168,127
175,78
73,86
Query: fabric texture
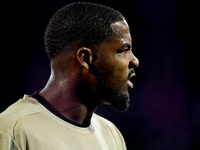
x,y
28,125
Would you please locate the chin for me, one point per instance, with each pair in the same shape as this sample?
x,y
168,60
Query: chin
x,y
118,97
121,102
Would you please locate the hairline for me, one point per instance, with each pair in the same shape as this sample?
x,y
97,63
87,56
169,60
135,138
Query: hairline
x,y
76,45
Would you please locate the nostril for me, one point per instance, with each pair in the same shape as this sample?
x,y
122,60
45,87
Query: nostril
x,y
134,63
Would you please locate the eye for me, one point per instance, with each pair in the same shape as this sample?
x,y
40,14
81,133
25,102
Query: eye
x,y
125,48
123,51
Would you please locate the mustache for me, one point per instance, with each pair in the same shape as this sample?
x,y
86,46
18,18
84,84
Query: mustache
x,y
130,73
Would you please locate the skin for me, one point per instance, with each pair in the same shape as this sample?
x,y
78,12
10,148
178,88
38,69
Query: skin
x,y
82,80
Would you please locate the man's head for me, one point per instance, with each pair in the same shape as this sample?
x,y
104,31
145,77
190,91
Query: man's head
x,y
101,46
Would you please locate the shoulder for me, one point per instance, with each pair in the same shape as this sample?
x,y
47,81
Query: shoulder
x,y
101,120
108,130
10,117
104,124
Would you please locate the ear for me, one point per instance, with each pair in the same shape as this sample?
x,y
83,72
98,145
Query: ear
x,y
84,57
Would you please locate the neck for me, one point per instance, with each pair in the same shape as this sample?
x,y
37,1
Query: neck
x,y
70,98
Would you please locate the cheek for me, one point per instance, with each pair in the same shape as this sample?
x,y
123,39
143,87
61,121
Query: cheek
x,y
121,67
120,74
117,74
113,71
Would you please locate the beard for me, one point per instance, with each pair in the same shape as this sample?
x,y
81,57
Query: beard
x,y
120,102
110,95
113,96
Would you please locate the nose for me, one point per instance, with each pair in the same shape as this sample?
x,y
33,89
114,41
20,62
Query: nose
x,y
134,62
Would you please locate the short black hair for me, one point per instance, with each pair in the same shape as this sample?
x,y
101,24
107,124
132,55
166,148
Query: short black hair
x,y
84,23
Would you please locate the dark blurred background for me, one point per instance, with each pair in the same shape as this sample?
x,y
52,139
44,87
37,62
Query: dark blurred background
x,y
165,101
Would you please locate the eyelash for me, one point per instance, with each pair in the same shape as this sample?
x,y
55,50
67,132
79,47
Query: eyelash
x,y
124,51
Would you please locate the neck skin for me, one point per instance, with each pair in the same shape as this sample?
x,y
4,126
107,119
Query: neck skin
x,y
68,91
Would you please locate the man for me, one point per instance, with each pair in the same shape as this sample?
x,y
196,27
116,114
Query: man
x,y
89,46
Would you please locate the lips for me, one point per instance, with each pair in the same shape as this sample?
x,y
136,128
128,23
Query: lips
x,y
130,84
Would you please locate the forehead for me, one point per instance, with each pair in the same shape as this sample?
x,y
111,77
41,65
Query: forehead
x,y
121,35
121,28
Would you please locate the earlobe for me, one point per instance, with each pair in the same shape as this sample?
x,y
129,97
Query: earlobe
x,y
84,57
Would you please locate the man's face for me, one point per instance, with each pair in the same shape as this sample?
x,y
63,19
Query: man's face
x,y
115,66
